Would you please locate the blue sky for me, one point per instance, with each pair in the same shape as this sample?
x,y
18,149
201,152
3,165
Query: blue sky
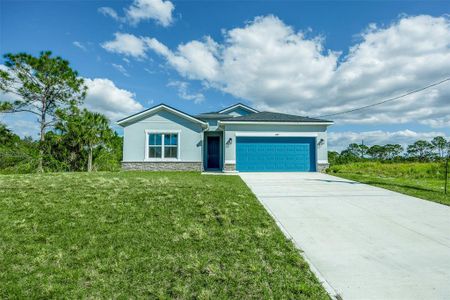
x,y
287,56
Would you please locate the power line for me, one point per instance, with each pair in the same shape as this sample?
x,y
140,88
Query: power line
x,y
388,100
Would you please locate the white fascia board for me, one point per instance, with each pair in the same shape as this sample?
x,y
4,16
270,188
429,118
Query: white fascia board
x,y
273,123
276,134
158,108
238,105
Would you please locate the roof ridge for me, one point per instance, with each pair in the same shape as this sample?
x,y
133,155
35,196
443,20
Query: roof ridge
x,y
154,107
241,104
269,116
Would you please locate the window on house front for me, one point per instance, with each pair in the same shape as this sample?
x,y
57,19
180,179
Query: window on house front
x,y
163,145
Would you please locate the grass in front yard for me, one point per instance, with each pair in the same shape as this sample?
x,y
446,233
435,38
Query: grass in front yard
x,y
422,180
138,234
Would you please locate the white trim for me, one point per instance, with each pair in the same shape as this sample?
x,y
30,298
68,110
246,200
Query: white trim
x,y
323,161
272,123
158,108
238,105
162,159
276,134
230,162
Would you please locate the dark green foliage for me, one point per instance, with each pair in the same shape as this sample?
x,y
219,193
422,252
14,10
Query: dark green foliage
x,y
82,139
441,145
421,150
143,235
70,139
17,155
358,150
40,86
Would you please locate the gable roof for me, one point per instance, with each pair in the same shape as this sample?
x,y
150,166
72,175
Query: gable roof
x,y
243,106
137,116
266,116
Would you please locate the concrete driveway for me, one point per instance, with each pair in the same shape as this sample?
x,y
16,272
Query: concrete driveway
x,y
366,242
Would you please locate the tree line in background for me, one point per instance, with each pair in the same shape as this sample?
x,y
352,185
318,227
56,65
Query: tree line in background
x,y
70,138
75,139
438,149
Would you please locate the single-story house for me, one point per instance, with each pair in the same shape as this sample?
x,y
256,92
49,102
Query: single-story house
x,y
237,138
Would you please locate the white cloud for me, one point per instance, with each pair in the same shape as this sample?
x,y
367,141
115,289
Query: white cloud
x,y
105,97
183,92
108,11
144,10
126,44
338,141
195,60
158,10
277,68
79,45
22,124
121,69
438,122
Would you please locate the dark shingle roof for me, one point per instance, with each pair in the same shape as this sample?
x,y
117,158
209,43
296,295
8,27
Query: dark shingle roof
x,y
266,116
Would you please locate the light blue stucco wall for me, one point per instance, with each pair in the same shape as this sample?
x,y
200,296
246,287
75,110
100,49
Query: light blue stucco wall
x,y
190,139
238,111
230,132
212,124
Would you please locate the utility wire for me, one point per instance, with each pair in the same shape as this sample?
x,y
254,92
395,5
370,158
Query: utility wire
x,y
388,100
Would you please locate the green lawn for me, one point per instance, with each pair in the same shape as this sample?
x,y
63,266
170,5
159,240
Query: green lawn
x,y
141,234
422,180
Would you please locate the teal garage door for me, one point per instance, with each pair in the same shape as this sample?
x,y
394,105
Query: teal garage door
x,y
276,154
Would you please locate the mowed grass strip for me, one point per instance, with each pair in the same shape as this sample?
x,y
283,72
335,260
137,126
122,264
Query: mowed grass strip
x,y
142,234
421,180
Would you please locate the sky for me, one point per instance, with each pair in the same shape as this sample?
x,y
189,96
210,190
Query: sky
x,y
307,58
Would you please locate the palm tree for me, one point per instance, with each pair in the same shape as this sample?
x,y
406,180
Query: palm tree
x,y
95,131
84,131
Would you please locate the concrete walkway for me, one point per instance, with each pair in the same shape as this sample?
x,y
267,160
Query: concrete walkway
x,y
367,242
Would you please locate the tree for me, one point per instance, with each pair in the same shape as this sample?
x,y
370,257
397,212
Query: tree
x,y
359,150
377,152
7,137
440,144
421,150
40,86
347,156
393,150
333,157
16,155
84,131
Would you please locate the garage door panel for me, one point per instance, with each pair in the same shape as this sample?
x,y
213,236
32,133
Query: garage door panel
x,y
270,154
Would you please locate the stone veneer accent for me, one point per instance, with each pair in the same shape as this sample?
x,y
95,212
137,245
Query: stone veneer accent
x,y
322,167
229,167
163,166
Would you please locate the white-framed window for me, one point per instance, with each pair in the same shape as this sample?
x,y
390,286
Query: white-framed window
x,y
163,145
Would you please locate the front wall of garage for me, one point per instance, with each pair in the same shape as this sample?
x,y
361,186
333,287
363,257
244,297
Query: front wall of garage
x,y
232,131
275,154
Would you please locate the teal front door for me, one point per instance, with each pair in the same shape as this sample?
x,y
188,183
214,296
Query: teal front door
x,y
276,154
